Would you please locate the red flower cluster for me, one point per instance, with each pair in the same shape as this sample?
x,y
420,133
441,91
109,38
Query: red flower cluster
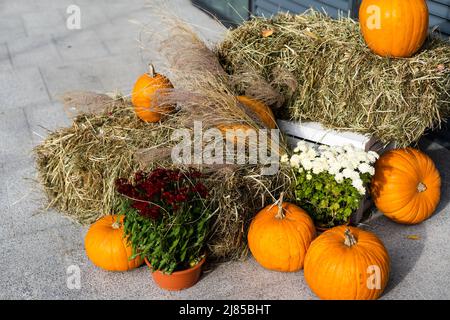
x,y
162,188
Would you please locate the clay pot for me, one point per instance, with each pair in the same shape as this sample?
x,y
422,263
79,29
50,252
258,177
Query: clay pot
x,y
178,280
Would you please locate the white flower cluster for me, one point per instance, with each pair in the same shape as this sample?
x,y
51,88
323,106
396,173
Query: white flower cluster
x,y
341,162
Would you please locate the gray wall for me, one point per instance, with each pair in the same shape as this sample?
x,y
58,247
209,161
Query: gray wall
x,y
439,9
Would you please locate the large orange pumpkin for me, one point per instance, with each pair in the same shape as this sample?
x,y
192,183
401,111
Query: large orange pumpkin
x,y
143,95
394,28
106,246
406,186
280,235
347,263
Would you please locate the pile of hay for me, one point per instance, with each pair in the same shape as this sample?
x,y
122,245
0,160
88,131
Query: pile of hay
x,y
323,71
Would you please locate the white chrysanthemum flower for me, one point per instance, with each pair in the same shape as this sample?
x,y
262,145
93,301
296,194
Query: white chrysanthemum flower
x,y
366,168
372,156
362,156
319,166
339,177
358,184
311,153
284,158
295,161
302,146
306,164
338,150
327,154
308,177
346,164
351,174
349,148
334,168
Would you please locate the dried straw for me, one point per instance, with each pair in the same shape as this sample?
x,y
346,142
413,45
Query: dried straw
x,y
325,72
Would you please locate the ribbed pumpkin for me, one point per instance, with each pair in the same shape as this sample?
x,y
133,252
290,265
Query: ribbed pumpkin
x,y
406,186
395,28
106,247
143,94
347,263
280,235
260,109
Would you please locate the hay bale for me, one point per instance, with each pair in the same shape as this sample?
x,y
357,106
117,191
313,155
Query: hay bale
x,y
324,71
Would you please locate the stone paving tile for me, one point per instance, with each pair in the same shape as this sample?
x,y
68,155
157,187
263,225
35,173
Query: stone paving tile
x,y
17,7
119,72
35,265
11,27
33,51
15,141
22,86
44,22
43,119
60,79
80,45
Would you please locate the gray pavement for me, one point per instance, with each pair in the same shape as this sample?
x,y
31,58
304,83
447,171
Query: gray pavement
x,y
40,59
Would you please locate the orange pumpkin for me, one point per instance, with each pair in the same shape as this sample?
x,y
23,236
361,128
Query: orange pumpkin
x,y
143,95
280,235
406,186
394,28
347,263
263,112
260,109
106,246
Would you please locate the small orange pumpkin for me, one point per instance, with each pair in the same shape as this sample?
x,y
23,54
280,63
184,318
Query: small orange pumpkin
x,y
406,186
260,109
106,246
280,235
347,263
394,28
142,96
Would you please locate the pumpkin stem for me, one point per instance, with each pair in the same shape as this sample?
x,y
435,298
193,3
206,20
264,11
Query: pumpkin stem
x,y
350,239
151,70
421,187
116,225
280,214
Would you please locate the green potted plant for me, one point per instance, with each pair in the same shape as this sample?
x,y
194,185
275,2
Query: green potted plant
x,y
167,222
330,182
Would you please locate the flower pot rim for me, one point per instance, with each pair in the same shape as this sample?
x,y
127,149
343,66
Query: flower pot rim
x,y
198,265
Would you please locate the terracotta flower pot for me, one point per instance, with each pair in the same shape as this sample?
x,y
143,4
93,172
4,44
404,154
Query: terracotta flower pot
x,y
178,280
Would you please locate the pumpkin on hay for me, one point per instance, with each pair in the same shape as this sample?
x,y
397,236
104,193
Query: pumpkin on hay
x,y
259,109
394,28
106,246
280,235
347,263
406,186
144,92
